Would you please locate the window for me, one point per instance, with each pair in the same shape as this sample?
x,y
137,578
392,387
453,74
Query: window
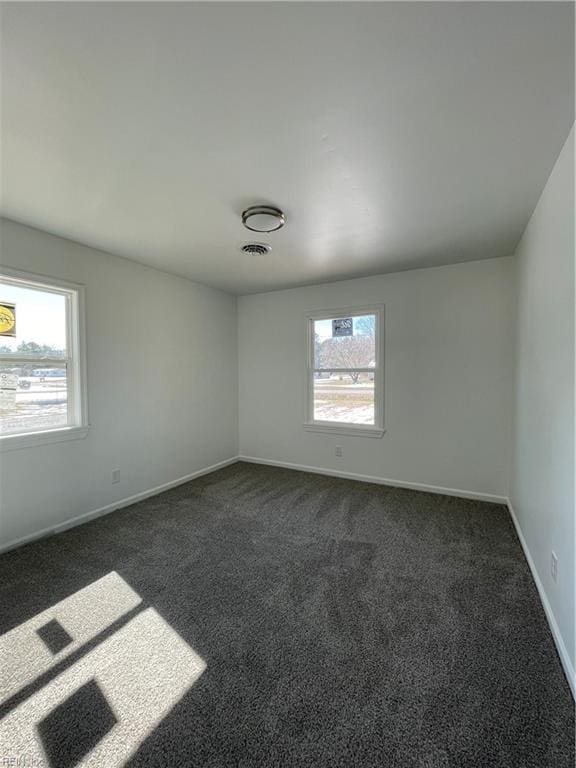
x,y
41,364
345,377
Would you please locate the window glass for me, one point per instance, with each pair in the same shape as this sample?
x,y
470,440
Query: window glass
x,y
345,342
344,397
345,370
38,373
33,397
40,325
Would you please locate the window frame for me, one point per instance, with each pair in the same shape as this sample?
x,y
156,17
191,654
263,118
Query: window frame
x,y
338,427
75,360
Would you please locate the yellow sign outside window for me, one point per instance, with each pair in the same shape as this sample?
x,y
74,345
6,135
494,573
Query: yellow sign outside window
x,y
7,319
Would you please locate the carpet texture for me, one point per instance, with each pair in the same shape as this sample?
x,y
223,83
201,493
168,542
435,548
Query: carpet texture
x,y
286,619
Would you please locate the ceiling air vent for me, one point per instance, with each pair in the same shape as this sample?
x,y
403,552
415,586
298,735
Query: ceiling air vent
x,y
256,249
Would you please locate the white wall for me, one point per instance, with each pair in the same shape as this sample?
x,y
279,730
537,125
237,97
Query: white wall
x,y
162,386
448,374
542,473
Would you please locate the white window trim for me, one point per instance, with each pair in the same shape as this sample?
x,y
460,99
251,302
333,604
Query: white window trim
x,y
78,426
335,427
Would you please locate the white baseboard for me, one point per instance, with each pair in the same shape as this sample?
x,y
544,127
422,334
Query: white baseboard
x,y
558,640
84,518
380,480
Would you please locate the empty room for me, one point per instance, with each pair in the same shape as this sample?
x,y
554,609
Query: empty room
x,y
287,384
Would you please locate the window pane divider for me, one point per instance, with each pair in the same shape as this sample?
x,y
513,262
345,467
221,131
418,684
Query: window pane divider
x,y
15,359
345,370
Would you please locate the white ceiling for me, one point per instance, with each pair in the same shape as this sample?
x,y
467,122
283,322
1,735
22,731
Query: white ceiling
x,y
393,135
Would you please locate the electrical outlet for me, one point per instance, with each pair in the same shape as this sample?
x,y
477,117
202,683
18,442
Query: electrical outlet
x,y
115,476
338,450
554,565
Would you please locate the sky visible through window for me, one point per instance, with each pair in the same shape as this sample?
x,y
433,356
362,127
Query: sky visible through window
x,y
323,328
40,317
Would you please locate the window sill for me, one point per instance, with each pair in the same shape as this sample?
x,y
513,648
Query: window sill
x,y
32,439
344,429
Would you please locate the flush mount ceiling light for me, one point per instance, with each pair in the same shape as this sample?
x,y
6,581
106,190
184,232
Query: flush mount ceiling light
x,y
263,218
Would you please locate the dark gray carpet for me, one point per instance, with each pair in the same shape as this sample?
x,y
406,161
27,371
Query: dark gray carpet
x,y
342,624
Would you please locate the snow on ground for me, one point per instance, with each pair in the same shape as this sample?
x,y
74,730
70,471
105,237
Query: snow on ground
x,y
327,411
35,410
